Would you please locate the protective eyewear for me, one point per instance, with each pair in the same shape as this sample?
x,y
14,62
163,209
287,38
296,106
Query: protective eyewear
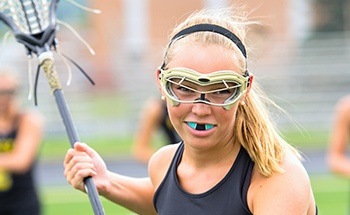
x,y
220,88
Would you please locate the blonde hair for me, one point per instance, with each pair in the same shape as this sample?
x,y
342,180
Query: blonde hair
x,y
256,132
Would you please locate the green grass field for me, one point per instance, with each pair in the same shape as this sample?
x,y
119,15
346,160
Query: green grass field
x,y
332,193
65,200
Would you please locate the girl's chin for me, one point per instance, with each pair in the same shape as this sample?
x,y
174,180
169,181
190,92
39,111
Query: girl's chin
x,y
199,141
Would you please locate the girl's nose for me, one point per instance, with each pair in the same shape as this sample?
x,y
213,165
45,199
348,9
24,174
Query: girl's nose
x,y
201,109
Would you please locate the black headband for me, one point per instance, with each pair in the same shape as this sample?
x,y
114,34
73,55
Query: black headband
x,y
212,28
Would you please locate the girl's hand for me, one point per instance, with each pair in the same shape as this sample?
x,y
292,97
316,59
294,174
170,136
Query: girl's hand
x,y
82,161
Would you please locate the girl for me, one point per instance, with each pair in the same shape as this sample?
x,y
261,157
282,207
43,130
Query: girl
x,y
232,159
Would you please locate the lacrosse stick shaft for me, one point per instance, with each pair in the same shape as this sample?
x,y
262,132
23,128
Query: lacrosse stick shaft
x,y
51,74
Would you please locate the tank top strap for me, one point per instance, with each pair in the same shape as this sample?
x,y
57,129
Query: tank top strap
x,y
175,161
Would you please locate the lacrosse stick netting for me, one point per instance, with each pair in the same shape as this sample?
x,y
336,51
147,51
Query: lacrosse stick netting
x,y
33,23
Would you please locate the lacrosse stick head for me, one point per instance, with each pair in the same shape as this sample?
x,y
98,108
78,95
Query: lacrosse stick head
x,y
33,23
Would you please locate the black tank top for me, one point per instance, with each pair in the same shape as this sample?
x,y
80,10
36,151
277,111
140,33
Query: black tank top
x,y
168,128
17,191
229,196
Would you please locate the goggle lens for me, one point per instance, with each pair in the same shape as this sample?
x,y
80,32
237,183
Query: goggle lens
x,y
187,91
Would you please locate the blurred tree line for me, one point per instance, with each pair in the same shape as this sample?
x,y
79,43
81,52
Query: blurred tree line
x,y
331,15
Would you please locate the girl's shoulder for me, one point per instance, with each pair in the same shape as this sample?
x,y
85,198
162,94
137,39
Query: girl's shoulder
x,y
31,117
159,163
344,103
265,190
342,110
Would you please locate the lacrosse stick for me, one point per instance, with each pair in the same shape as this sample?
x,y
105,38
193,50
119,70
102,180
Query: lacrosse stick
x,y
33,23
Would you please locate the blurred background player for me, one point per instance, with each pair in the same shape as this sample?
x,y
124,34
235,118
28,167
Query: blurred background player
x,y
154,117
338,158
20,139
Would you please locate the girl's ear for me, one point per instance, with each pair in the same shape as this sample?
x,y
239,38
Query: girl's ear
x,y
250,82
158,72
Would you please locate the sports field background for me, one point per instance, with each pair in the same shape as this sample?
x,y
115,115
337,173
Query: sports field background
x,y
305,79
103,120
332,192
